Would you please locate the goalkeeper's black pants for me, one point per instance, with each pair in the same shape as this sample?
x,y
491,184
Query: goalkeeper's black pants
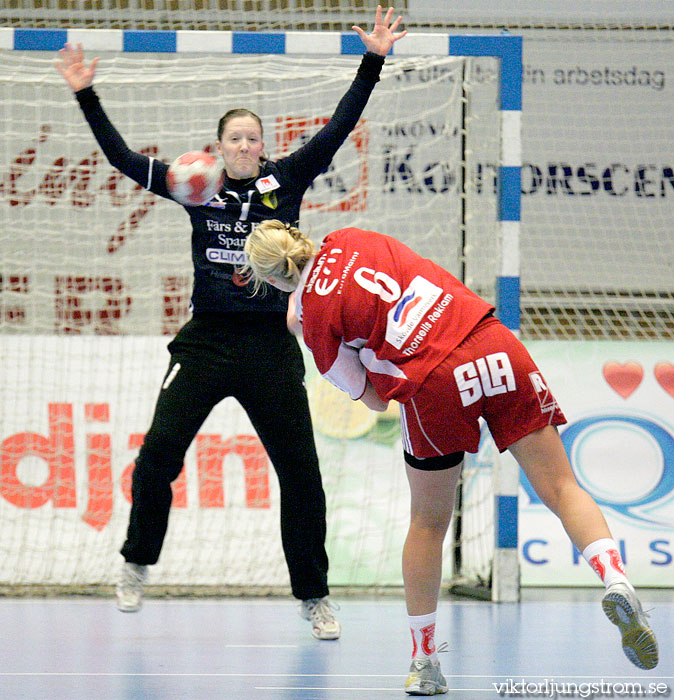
x,y
253,358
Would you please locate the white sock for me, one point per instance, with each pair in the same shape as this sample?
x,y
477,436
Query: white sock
x,y
604,558
423,636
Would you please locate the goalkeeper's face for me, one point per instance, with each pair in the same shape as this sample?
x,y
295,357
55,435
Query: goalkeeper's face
x,y
241,147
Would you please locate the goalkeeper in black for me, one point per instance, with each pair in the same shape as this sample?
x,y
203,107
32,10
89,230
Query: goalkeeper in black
x,y
236,344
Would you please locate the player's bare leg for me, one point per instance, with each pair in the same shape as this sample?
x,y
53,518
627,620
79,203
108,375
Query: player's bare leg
x,y
432,503
543,459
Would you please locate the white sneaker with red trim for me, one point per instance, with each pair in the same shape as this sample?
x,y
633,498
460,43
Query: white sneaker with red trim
x,y
319,611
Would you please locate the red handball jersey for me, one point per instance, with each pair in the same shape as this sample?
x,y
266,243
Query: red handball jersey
x,y
372,308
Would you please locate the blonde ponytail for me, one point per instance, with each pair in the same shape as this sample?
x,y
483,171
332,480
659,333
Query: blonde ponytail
x,y
277,250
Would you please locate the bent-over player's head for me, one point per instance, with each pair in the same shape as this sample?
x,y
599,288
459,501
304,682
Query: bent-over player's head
x,y
277,253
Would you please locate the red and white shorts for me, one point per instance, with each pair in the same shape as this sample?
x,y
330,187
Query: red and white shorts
x,y
490,374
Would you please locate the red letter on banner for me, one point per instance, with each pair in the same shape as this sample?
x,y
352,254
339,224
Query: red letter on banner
x,y
211,452
58,450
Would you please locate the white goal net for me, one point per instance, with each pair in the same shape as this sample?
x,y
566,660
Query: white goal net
x,y
96,277
96,273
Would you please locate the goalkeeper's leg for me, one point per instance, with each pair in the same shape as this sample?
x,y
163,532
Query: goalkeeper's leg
x,y
276,402
185,400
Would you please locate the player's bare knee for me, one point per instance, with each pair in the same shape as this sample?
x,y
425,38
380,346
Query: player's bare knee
x,y
556,493
430,526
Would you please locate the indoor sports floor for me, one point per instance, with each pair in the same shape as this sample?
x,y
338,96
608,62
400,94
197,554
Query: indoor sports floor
x,y
260,649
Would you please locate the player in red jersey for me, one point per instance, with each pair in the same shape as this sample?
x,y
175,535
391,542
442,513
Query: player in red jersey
x,y
384,323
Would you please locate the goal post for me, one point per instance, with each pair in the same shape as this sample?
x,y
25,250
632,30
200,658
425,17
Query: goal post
x,y
412,168
504,582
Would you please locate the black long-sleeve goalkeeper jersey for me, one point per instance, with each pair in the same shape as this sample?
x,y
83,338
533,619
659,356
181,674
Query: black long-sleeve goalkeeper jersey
x,y
220,228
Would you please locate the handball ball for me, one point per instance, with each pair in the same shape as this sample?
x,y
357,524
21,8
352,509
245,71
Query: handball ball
x,y
194,178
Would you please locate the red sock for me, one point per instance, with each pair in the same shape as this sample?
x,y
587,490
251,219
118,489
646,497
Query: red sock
x,y
604,558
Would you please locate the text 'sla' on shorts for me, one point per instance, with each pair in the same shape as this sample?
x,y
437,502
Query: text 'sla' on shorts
x,y
490,374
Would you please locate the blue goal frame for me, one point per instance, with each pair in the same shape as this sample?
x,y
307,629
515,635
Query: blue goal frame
x,y
505,47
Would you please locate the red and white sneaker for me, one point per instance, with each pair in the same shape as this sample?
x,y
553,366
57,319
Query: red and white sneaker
x,y
319,611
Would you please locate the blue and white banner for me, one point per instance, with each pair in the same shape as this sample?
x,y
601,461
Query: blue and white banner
x,y
619,402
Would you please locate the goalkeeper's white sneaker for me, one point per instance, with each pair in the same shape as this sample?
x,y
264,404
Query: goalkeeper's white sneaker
x,y
319,611
129,589
622,607
425,678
